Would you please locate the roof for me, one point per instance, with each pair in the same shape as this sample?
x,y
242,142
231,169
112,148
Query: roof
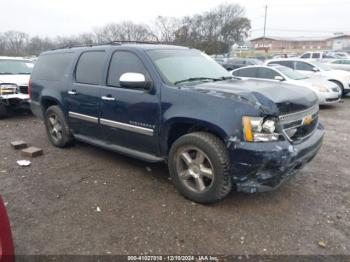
x,y
300,38
295,39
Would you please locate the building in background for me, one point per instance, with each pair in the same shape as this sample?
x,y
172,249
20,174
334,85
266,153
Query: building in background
x,y
339,42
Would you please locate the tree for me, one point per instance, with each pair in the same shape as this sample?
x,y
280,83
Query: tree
x,y
125,31
16,42
165,28
214,31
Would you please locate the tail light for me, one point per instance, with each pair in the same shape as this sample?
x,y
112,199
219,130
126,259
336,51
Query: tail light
x,y
6,243
30,89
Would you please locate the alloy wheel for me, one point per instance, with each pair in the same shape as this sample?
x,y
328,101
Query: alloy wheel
x,y
194,169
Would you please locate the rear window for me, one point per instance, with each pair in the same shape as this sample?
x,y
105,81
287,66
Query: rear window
x,y
52,67
90,67
307,55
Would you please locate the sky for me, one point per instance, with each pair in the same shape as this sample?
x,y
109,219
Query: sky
x,y
68,17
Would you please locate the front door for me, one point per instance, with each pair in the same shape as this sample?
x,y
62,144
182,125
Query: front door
x,y
129,117
83,97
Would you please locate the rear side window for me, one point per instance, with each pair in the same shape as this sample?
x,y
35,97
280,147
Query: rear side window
x,y
124,62
90,67
246,72
266,73
304,66
316,55
52,67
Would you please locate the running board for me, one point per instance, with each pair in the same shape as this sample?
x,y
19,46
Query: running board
x,y
119,149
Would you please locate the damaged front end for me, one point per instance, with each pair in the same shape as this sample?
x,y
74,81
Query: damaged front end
x,y
262,161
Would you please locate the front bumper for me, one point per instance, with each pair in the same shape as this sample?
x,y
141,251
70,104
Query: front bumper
x,y
329,97
261,167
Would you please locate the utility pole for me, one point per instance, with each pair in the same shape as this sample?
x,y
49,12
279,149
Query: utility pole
x,y
265,27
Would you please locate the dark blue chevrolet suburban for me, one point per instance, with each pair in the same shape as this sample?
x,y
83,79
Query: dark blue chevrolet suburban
x,y
175,104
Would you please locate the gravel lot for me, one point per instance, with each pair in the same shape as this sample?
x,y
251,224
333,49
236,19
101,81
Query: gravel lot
x,y
53,204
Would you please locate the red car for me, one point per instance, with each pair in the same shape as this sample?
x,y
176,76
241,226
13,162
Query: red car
x,y
6,243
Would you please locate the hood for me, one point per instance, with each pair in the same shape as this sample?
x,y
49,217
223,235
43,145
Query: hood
x,y
280,98
20,80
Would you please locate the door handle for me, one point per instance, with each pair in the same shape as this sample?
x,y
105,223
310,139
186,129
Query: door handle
x,y
108,98
72,92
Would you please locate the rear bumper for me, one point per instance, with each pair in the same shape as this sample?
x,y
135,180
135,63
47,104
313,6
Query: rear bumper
x,y
260,167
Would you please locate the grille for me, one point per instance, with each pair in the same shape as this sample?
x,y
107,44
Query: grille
x,y
301,124
23,89
332,99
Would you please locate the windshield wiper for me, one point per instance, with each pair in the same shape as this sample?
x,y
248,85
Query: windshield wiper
x,y
6,73
192,79
23,73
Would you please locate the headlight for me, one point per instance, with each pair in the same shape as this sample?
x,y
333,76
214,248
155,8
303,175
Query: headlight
x,y
320,88
259,129
6,89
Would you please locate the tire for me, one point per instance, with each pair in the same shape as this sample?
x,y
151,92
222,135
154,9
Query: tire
x,y
3,111
195,147
57,127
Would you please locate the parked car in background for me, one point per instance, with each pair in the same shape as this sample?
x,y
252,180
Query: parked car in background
x,y
314,69
219,60
233,63
340,64
342,55
320,55
14,78
326,91
6,242
174,104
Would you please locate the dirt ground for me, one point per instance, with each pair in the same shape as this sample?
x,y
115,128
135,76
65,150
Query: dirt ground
x,y
53,204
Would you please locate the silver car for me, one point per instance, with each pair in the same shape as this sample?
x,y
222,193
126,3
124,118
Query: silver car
x,y
327,92
340,64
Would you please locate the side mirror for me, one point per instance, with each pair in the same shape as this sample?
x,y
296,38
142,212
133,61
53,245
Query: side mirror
x,y
315,69
279,78
134,80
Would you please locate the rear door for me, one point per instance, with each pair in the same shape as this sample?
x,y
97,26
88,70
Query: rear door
x,y
83,96
129,117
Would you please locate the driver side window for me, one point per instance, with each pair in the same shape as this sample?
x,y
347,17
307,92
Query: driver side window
x,y
266,73
124,62
304,66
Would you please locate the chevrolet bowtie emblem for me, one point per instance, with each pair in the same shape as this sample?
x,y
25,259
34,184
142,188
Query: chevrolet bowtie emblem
x,y
307,120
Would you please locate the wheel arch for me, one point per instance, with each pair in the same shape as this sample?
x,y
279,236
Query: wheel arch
x,y
337,82
178,127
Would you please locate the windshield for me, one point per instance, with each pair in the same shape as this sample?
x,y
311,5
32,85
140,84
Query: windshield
x,y
177,66
292,74
16,67
322,66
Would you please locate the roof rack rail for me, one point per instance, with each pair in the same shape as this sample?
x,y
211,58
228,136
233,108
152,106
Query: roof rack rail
x,y
115,42
134,42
